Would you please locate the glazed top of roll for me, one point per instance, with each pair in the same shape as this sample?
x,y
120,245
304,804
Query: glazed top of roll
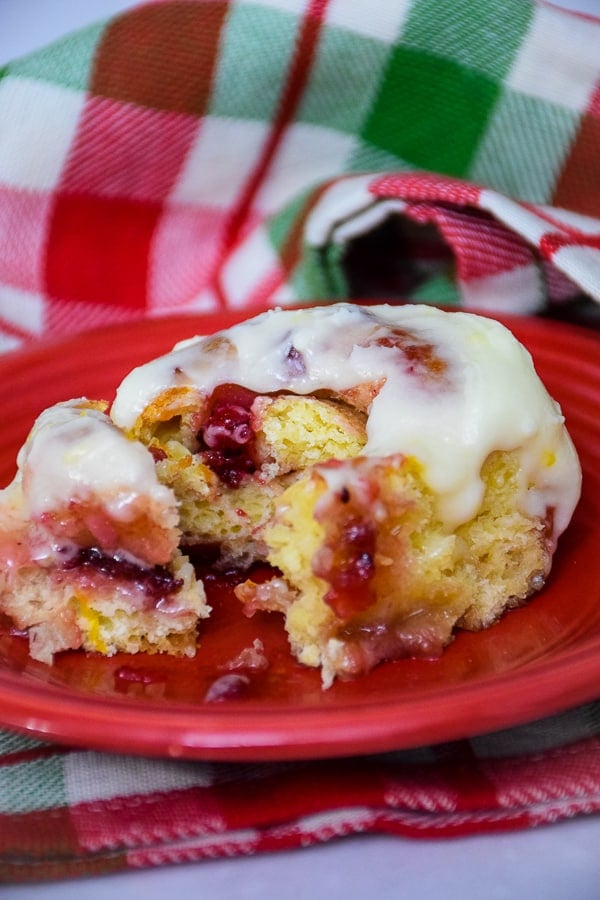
x,y
75,453
81,479
450,388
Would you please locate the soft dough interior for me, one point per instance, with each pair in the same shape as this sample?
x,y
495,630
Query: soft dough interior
x,y
369,572
366,569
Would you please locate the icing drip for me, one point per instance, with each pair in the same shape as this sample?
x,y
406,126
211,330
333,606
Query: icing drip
x,y
446,389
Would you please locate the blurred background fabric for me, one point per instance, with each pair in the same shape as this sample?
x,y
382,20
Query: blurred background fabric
x,y
196,155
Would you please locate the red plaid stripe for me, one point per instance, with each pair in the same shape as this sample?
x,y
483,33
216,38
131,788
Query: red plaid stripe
x,y
24,216
98,250
161,55
575,188
111,233
105,159
291,94
482,247
427,186
253,808
182,257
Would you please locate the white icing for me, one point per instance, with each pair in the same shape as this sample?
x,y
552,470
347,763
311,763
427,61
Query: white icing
x,y
74,453
488,398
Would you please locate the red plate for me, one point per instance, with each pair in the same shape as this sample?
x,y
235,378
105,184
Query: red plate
x,y
536,661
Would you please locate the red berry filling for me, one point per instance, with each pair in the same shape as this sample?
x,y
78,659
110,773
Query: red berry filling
x,y
347,559
226,437
155,582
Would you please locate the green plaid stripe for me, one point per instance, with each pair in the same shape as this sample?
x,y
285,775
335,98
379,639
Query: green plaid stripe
x,y
321,273
344,80
523,148
14,742
439,98
367,158
443,83
47,773
259,43
439,289
459,104
484,36
67,62
281,224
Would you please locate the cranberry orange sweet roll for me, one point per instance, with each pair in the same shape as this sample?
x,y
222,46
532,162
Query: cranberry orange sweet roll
x,y
402,468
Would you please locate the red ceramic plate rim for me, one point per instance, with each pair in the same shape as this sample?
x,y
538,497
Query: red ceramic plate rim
x,y
234,734
542,687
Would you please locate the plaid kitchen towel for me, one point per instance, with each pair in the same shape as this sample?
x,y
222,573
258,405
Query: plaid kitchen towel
x,y
201,154
67,812
195,155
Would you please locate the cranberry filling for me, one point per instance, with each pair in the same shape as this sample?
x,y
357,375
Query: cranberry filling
x,y
346,562
226,437
155,582
127,674
227,687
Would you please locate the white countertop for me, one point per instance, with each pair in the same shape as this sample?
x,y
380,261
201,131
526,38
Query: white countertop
x,y
557,862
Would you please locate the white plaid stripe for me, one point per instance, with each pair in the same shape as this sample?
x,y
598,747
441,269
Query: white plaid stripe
x,y
248,266
517,291
377,19
284,296
99,776
339,203
37,125
366,220
546,66
297,7
582,264
308,154
519,131
585,224
220,161
206,301
22,308
516,217
8,342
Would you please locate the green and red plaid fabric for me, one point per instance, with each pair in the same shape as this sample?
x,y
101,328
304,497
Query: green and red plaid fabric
x,y
195,155
70,812
201,154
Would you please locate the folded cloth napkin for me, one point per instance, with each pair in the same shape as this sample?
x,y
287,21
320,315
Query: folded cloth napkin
x,y
205,154
66,812
195,155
